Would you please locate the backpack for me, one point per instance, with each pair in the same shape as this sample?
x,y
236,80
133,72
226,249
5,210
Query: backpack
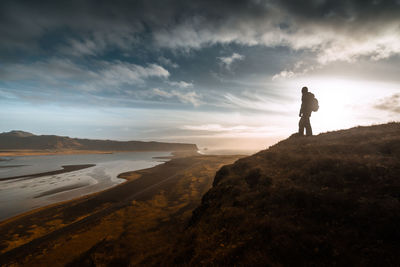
x,y
314,106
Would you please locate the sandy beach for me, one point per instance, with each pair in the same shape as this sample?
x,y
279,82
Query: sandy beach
x,y
150,197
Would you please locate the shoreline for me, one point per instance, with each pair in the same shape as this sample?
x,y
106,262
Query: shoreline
x,y
27,152
128,176
65,169
32,232
69,190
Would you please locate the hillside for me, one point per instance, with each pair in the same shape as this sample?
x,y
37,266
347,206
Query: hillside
x,y
15,140
326,200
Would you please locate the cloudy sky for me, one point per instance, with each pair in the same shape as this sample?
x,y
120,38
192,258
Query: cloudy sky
x,y
217,73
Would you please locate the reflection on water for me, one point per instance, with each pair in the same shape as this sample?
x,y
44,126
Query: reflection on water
x,y
20,195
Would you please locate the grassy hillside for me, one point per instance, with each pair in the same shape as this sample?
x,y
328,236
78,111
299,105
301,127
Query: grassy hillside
x,y
331,199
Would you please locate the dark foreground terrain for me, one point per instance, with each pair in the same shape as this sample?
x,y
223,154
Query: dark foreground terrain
x,y
127,224
327,200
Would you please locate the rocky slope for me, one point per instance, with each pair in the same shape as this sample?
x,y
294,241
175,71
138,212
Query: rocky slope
x,y
24,140
326,200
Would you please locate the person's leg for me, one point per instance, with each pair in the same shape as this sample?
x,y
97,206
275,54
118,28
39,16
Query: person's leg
x,y
301,126
308,126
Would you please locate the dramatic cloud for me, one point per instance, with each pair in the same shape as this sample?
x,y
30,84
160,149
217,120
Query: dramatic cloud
x,y
234,58
334,30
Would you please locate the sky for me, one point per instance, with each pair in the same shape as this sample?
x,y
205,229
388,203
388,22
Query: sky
x,y
221,74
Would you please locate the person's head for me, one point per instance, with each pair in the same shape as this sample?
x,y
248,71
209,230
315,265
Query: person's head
x,y
304,90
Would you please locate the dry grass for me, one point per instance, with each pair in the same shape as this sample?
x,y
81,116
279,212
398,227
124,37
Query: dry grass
x,y
331,199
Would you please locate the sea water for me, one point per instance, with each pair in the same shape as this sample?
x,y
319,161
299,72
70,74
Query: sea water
x,y
24,194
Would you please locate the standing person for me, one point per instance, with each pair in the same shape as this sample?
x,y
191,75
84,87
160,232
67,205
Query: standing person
x,y
305,112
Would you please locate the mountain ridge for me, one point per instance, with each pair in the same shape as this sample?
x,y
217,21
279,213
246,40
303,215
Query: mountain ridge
x,y
17,139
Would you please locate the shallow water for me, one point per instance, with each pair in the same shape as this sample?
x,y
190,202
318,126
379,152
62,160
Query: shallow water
x,y
24,194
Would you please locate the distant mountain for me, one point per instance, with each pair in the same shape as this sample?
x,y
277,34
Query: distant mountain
x,y
326,200
24,140
17,134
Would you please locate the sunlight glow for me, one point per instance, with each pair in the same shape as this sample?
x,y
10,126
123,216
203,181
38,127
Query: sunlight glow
x,y
346,103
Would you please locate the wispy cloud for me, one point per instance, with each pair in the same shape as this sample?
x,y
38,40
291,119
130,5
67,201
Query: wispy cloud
x,y
284,74
181,84
82,47
391,104
190,97
228,61
167,62
49,70
61,72
256,102
117,73
218,130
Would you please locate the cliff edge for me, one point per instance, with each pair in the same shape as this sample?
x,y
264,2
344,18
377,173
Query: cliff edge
x,y
326,200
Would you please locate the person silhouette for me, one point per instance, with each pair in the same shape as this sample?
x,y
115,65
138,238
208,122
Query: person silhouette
x,y
305,112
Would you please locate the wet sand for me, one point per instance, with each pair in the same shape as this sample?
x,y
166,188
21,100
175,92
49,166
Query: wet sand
x,y
61,189
65,168
61,233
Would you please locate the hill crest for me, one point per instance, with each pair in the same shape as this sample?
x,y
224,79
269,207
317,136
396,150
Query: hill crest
x,y
17,133
331,199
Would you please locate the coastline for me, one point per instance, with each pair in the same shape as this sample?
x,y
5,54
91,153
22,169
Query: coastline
x,y
127,176
27,152
31,231
68,182
65,169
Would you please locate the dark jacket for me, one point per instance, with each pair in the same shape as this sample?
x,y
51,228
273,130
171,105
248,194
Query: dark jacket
x,y
305,109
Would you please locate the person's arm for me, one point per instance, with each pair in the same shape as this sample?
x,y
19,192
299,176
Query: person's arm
x,y
301,107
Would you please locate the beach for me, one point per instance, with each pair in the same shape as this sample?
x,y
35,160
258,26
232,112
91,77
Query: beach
x,y
29,182
137,211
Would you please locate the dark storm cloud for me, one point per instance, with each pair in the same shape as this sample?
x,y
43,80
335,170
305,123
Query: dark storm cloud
x,y
336,30
108,46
